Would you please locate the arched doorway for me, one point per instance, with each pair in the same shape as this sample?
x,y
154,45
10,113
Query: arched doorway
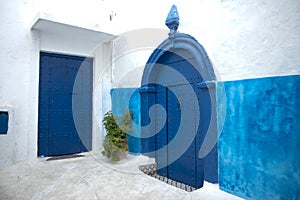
x,y
180,79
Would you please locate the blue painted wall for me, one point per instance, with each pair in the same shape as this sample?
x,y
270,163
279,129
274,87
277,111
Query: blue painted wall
x,y
3,122
259,146
128,98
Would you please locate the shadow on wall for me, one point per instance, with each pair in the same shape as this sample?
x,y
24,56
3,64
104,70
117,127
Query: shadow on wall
x,y
260,142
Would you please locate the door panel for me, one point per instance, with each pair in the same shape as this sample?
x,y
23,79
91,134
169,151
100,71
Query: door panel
x,y
181,130
207,99
161,136
57,132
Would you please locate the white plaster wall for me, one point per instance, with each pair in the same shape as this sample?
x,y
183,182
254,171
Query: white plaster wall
x,y
131,51
102,85
18,57
90,14
247,39
244,39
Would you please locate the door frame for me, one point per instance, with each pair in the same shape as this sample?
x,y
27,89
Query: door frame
x,y
175,41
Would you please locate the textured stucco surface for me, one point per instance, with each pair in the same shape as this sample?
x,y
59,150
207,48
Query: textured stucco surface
x,y
242,39
260,142
247,39
18,81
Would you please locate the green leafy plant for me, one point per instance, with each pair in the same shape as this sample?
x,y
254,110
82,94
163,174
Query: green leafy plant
x,y
115,143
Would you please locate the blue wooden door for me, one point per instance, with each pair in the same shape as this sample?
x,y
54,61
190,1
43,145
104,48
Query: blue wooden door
x,y
181,124
65,104
161,138
179,100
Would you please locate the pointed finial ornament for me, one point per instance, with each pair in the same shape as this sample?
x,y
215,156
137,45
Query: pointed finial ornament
x,y
172,20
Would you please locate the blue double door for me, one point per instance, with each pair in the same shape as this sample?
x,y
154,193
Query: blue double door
x,y
65,104
177,143
179,160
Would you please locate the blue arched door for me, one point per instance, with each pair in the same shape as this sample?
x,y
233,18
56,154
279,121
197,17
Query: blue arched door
x,y
176,89
180,78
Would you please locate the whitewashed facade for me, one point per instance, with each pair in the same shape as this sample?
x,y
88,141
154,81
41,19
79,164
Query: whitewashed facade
x,y
244,39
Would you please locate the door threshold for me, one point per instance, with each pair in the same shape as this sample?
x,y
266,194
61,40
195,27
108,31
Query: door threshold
x,y
150,170
61,157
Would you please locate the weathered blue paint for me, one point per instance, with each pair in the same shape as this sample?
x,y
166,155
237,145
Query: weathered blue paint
x,y
260,142
3,122
57,132
123,99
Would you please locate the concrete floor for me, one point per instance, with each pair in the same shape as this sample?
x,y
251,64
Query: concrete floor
x,y
92,177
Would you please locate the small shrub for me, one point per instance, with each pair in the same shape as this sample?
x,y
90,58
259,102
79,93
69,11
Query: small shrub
x,y
115,143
